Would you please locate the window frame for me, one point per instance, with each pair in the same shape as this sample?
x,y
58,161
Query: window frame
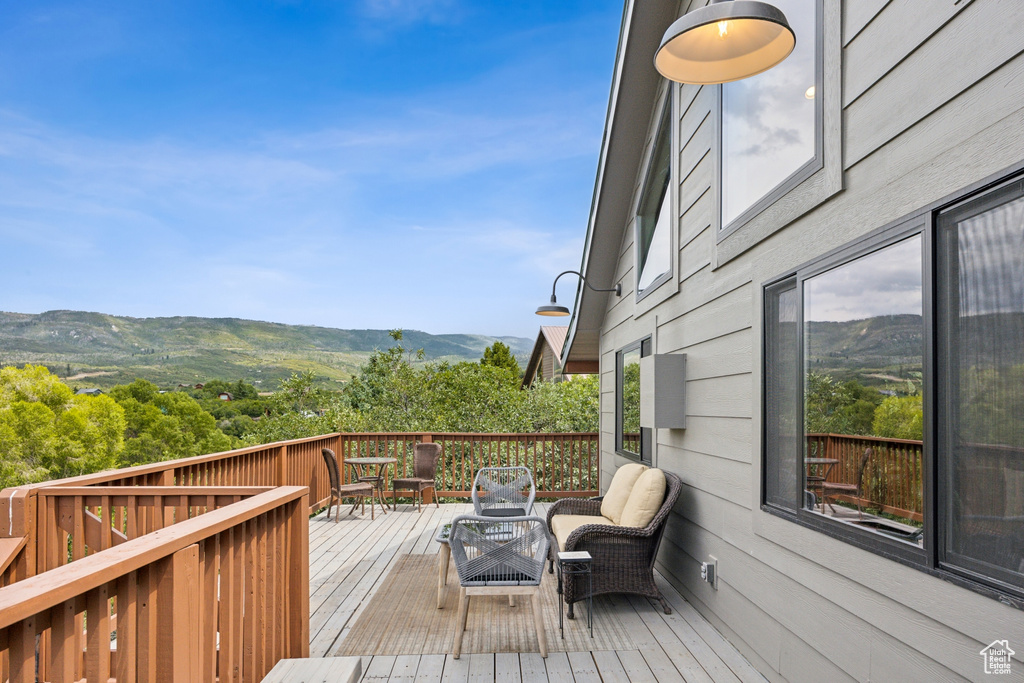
x,y
935,498
798,176
645,456
663,126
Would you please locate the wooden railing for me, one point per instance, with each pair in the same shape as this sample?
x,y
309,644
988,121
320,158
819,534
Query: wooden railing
x,y
893,478
563,465
118,543
224,595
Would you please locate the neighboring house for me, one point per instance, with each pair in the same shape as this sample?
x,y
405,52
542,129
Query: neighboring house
x,y
89,392
869,188
546,359
225,396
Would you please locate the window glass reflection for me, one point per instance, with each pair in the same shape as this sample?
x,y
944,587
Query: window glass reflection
x,y
863,390
768,121
630,436
654,219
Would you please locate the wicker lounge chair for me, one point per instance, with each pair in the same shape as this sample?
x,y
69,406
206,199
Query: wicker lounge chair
x,y
503,492
499,557
424,470
338,490
623,555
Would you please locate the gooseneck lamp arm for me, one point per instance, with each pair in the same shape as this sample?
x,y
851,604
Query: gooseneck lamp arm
x,y
617,288
555,310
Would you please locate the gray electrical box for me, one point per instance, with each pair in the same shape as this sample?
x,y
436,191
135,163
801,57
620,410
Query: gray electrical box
x,y
663,391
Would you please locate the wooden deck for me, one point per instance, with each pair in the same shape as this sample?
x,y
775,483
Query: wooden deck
x,y
349,560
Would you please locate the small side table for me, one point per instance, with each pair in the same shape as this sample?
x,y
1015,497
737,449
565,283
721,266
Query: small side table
x,y
576,564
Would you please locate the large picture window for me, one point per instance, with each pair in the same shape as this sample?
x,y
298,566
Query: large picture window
x,y
654,215
770,125
871,391
631,439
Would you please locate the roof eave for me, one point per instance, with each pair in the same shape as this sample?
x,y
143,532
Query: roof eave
x,y
634,88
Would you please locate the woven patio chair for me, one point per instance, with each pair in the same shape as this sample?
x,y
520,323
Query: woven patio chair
x,y
424,470
503,492
623,556
499,557
338,490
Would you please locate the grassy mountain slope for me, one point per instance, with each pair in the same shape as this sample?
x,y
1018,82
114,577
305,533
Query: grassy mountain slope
x,y
189,349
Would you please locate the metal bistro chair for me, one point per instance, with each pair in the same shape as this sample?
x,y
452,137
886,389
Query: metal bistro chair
x,y
338,490
830,489
499,557
424,470
503,492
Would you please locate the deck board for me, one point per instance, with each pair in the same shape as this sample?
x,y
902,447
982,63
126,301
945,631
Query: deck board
x,y
350,559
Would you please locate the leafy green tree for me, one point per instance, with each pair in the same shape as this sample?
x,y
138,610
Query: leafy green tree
x,y
470,397
570,406
48,432
300,391
165,426
899,417
500,356
835,407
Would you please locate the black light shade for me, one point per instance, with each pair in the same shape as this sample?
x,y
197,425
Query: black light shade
x,y
725,41
553,310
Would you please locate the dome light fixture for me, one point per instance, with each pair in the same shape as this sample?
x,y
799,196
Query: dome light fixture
x,y
553,309
728,40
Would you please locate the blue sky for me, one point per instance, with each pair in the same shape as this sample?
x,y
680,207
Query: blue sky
x,y
360,164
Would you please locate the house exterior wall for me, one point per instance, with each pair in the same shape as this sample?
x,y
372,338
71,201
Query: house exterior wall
x,y
932,100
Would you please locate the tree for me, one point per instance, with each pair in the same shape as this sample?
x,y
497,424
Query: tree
x,y
835,407
500,356
300,391
165,426
48,432
900,417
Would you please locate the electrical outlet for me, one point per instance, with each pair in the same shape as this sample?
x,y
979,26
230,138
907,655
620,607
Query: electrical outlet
x,y
709,571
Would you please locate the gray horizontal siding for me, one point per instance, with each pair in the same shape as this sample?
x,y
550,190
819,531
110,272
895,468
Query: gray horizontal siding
x,y
932,101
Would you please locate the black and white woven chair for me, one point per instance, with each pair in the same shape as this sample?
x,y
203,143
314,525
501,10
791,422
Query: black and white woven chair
x,y
499,557
503,492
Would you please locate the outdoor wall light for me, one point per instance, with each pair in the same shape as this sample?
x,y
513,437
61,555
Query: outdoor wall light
x,y
553,309
727,40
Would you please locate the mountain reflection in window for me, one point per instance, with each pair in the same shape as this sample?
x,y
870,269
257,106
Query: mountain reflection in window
x,y
863,350
768,121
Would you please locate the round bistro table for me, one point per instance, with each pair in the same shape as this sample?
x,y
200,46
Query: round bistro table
x,y
378,477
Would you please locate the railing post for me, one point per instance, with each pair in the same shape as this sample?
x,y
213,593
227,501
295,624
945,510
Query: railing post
x,y
297,590
177,633
18,507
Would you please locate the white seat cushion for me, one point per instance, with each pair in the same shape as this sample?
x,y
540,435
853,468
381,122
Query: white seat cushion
x,y
645,499
563,525
618,491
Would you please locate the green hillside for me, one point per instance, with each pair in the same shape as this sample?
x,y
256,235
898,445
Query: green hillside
x,y
95,349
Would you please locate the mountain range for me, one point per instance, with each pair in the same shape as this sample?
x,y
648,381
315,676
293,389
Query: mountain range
x,y
96,349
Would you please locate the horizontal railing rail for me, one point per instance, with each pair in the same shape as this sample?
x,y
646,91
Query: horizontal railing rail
x,y
894,482
221,595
